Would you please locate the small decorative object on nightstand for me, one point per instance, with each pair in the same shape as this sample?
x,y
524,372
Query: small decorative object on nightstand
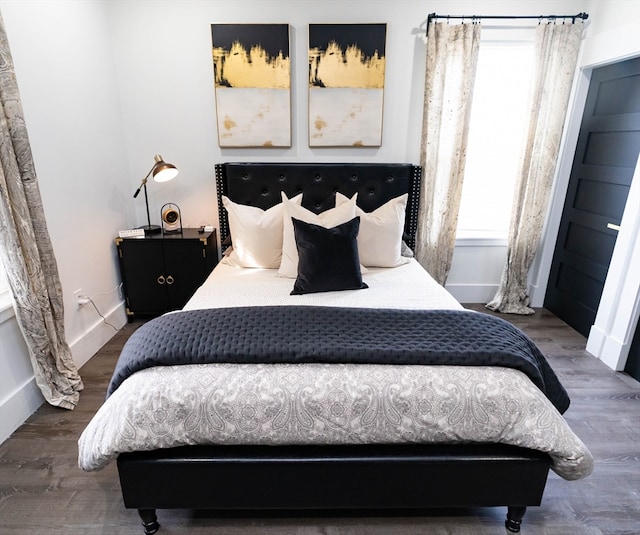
x,y
160,272
171,218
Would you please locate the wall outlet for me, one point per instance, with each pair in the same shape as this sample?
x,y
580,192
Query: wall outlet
x,y
80,298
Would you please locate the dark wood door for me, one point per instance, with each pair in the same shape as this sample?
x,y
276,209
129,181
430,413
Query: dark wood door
x,y
603,166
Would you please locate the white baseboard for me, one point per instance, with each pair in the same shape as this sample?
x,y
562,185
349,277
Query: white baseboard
x,y
472,293
98,334
607,348
16,408
25,399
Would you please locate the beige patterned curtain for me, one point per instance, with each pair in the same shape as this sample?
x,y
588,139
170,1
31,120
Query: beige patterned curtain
x,y
452,56
556,52
26,251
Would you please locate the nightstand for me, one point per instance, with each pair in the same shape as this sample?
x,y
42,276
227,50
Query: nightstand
x,y
160,272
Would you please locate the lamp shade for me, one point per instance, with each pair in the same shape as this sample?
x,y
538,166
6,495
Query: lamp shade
x,y
163,171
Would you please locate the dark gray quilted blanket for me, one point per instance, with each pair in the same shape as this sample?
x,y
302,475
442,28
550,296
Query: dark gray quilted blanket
x,y
303,334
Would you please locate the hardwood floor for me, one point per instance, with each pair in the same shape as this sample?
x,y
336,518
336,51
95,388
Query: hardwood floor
x,y
43,492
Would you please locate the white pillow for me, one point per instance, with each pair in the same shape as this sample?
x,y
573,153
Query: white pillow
x,y
345,210
256,234
380,236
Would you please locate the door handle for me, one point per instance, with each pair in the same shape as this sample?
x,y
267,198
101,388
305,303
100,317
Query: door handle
x,y
160,280
170,279
613,226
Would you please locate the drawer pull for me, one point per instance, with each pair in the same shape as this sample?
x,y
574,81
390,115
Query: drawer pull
x,y
613,226
170,279
160,280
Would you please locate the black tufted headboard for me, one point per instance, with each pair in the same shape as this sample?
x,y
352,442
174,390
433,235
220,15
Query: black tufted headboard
x,y
260,184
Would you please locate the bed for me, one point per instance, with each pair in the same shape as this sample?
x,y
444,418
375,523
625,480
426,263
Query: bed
x,y
265,415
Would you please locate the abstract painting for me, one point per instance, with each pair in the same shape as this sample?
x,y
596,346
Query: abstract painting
x,y
252,79
346,84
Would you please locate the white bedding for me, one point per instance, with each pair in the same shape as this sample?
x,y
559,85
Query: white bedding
x,y
273,404
408,286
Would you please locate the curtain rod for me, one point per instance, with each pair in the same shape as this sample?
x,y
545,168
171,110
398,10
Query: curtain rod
x,y
477,18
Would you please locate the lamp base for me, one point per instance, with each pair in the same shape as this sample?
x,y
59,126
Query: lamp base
x,y
151,229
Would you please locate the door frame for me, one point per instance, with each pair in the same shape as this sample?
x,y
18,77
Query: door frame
x,y
541,267
611,335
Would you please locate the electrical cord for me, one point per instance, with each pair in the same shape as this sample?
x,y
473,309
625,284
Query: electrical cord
x,y
119,288
83,300
100,314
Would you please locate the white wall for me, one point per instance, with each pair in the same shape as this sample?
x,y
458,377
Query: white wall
x,y
108,84
65,70
64,64
476,268
185,132
19,394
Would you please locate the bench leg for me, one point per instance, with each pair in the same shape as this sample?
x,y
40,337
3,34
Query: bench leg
x,y
149,521
514,518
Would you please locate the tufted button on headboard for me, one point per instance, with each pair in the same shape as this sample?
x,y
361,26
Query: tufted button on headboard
x,y
260,184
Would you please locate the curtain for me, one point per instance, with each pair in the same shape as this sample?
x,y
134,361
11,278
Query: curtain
x,y
452,56
26,250
556,54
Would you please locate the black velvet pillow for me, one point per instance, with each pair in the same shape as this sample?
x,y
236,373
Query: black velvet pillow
x,y
327,257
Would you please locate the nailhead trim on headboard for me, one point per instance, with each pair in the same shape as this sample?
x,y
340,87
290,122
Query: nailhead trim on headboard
x,y
411,223
223,220
260,184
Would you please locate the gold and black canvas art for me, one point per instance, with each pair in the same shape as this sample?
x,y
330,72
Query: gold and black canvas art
x,y
346,84
252,79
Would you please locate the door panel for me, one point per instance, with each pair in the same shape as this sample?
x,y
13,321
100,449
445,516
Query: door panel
x,y
143,265
186,270
600,198
595,245
603,166
615,149
619,95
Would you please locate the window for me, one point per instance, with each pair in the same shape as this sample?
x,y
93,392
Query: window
x,y
497,133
